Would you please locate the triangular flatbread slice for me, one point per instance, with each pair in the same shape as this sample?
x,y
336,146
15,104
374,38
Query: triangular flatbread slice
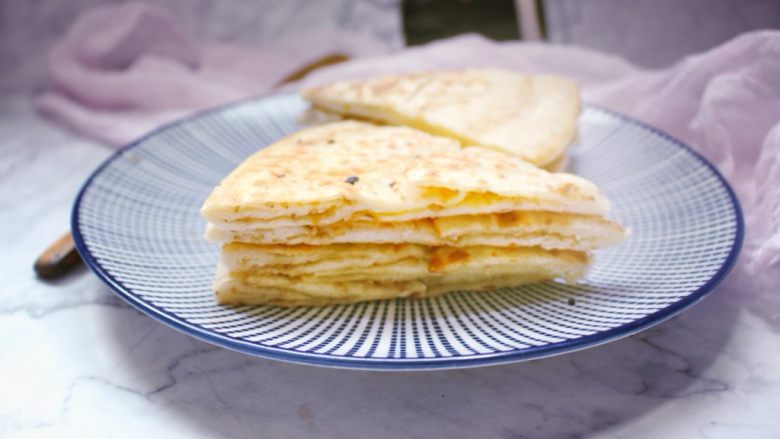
x,y
530,117
354,171
351,211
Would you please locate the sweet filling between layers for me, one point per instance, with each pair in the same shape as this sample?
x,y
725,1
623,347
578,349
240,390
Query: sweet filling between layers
x,y
544,229
288,274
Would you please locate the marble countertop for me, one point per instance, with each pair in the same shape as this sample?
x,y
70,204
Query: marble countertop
x,y
78,362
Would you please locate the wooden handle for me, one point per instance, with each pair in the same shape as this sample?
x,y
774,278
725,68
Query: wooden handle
x,y
301,72
59,259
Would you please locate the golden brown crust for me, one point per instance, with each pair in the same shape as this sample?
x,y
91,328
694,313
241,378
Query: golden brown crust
x,y
343,168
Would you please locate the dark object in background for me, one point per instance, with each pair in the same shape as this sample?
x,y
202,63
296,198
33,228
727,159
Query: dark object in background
x,y
428,20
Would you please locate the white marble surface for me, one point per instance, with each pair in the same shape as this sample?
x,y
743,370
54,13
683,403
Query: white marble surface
x,y
78,362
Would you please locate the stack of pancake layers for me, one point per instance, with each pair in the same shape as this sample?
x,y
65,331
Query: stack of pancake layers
x,y
352,211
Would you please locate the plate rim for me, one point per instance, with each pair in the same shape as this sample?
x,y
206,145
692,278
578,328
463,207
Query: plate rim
x,y
477,360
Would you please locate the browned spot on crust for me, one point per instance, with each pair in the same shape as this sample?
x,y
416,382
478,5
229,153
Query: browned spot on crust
x,y
507,219
567,189
436,264
440,260
457,256
580,256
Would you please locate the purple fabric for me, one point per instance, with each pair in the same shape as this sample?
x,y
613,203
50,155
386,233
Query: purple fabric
x,y
121,71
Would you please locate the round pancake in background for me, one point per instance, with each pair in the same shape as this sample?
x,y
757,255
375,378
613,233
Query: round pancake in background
x,y
136,224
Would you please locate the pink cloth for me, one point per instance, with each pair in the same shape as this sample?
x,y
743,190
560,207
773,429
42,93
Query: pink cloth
x,y
123,70
117,75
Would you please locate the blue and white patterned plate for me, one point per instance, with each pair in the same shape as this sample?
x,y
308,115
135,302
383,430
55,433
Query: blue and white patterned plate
x,y
136,224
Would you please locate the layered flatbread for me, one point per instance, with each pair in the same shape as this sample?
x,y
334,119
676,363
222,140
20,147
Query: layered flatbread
x,y
351,211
